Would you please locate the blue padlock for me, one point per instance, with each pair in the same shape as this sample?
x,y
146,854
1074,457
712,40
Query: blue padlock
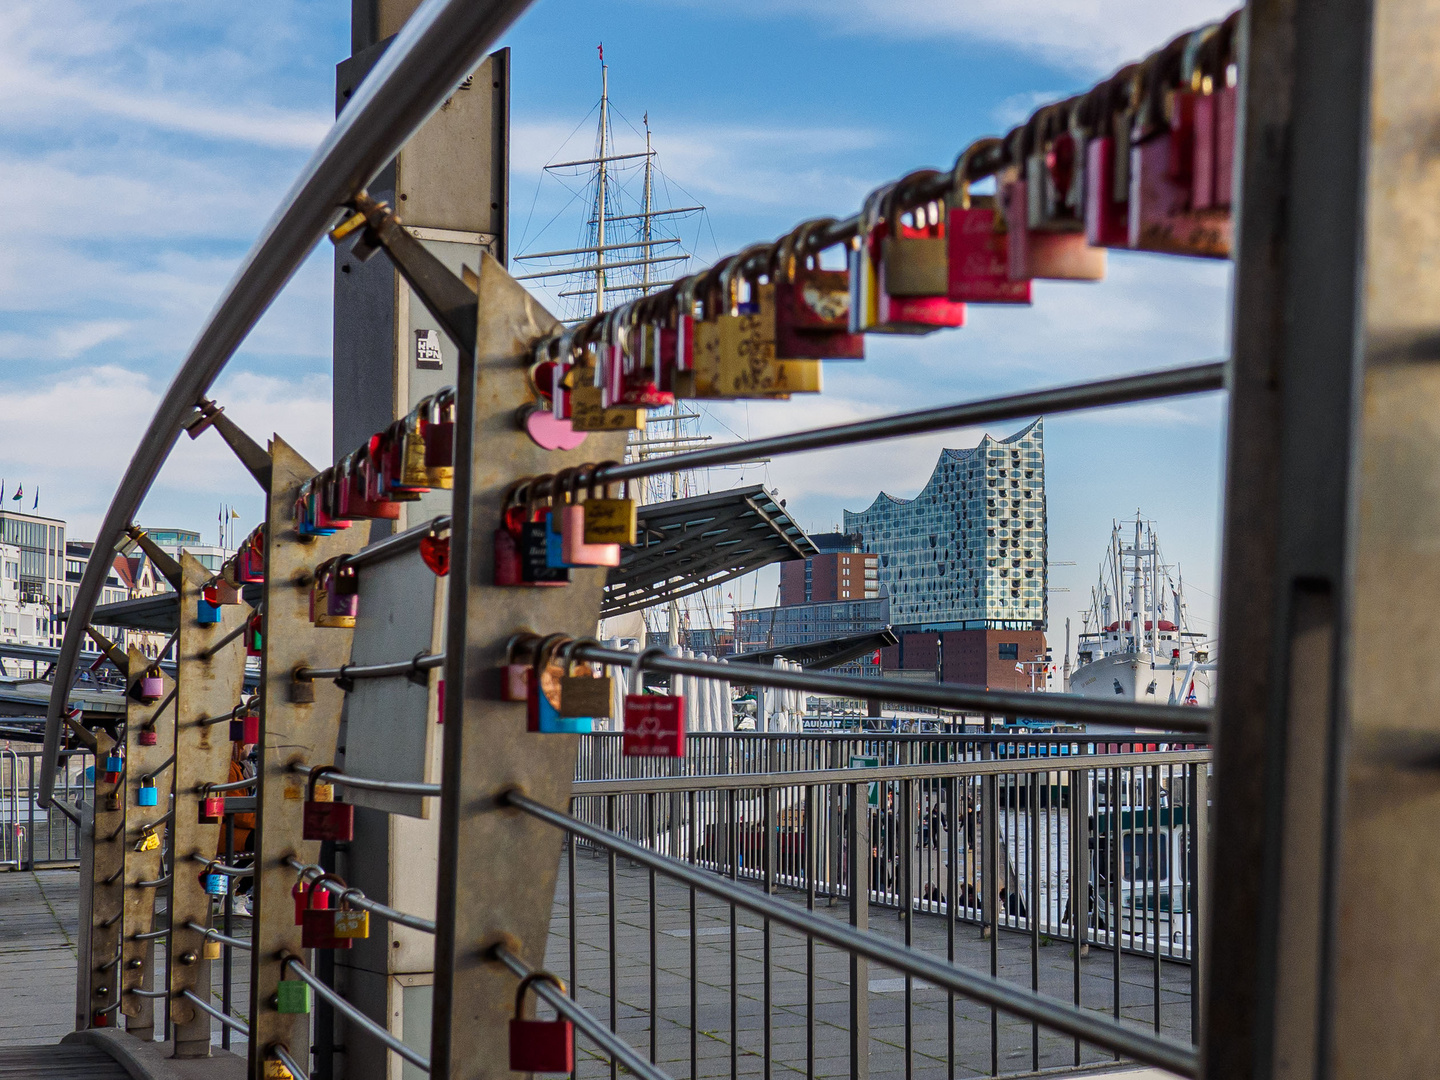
x,y
114,763
148,795
207,614
552,723
217,884
554,545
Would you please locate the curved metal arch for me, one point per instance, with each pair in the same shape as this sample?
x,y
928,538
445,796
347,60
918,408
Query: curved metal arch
x,y
439,47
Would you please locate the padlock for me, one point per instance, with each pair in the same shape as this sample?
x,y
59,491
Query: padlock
x,y
114,765
654,725
299,892
250,561
210,949
326,819
276,1070
535,567
147,794
317,928
574,550
217,884
254,639
607,520
292,996
320,592
342,596
543,1046
505,548
587,413
402,468
978,243
812,306
206,613
542,700
226,592
437,426
901,266
1162,160
149,839
211,807
413,474
435,552
514,676
148,737
350,923
150,686
245,729
639,382
1212,76
582,694
1055,173
746,364
353,502
549,514
112,801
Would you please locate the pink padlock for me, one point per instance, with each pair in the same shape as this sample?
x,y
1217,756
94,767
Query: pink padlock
x,y
573,548
151,686
978,254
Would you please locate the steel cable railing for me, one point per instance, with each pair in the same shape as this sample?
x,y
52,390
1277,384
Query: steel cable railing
x,y
440,44
1058,1016
293,963
360,900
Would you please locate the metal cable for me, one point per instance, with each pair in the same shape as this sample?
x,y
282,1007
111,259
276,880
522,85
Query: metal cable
x,y
215,935
293,963
229,1021
399,544
1067,1019
220,868
398,787
372,671
281,1053
567,1007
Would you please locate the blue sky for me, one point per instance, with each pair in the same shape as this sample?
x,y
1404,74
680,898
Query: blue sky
x,y
143,144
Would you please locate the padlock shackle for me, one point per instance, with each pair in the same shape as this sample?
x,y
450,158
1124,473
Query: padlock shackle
x,y
316,774
534,977
567,651
896,200
310,892
544,648
557,488
960,177
604,488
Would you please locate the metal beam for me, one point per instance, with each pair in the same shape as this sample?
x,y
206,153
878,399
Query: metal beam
x,y
439,47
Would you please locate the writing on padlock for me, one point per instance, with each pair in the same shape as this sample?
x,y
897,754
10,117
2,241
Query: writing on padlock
x,y
215,884
543,1046
317,927
654,725
978,256
542,700
609,520
534,541
276,1070
149,840
325,818
147,794
350,923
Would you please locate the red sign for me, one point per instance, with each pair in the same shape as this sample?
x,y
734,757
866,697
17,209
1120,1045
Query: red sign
x,y
654,725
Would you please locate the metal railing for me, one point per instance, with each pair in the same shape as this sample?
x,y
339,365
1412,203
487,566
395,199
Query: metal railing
x,y
34,837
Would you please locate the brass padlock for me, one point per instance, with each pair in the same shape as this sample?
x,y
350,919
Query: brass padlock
x,y
210,950
581,692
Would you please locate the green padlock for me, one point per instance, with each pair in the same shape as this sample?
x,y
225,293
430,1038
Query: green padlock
x,y
292,996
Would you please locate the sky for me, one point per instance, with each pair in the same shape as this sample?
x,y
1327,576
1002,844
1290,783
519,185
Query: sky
x,y
144,144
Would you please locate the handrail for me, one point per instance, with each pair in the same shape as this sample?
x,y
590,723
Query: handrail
x,y
1026,1004
398,787
281,1053
639,785
216,935
360,900
226,1019
439,45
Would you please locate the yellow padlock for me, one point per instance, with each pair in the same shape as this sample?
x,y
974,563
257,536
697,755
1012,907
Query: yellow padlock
x,y
588,414
210,950
351,924
610,521
149,840
274,1070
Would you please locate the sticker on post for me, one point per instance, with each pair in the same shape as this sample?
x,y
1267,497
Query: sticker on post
x,y
427,350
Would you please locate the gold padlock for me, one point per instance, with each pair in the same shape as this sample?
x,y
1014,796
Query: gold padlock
x,y
588,414
349,923
274,1070
610,521
581,693
210,950
149,840
412,470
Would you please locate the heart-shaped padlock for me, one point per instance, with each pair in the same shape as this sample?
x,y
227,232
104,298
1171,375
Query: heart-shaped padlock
x,y
435,550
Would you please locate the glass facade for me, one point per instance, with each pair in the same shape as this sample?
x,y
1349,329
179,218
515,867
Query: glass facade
x,y
803,624
970,551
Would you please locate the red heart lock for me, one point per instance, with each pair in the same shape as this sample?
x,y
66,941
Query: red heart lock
x,y
435,550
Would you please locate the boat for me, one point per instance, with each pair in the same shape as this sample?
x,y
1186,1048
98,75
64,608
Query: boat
x,y
1135,643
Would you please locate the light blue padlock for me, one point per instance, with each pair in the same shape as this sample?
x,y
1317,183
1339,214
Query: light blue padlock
x,y
217,884
148,795
552,723
207,614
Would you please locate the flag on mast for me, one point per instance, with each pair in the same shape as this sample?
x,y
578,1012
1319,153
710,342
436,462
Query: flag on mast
x,y
19,493
37,500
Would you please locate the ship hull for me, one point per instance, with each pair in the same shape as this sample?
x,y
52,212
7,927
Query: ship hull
x,y
1127,676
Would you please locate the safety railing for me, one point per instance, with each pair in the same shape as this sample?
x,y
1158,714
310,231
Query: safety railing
x,y
33,837
997,831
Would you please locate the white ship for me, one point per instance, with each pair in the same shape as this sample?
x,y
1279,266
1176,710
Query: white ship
x,y
1135,644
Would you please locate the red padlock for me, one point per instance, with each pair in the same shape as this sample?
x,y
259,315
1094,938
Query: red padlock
x,y
300,891
543,1046
317,925
245,729
506,541
149,737
254,640
514,677
327,819
812,306
654,725
978,244
1034,253
1214,154
212,807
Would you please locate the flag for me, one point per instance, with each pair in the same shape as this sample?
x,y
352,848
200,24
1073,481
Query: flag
x,y
234,513
19,493
1019,667
37,500
602,52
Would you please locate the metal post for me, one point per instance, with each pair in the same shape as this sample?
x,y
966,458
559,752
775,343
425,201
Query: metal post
x,y
1197,800
99,979
207,686
512,857
858,852
292,730
138,956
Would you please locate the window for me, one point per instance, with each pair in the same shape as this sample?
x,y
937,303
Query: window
x,y
1009,650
